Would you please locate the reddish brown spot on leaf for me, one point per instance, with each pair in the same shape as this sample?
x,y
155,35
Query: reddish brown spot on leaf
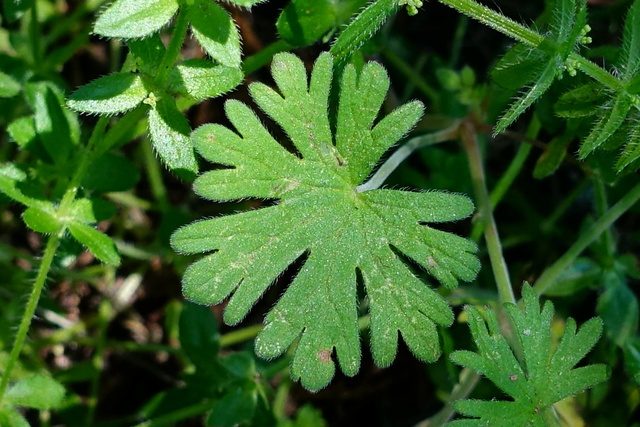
x,y
324,356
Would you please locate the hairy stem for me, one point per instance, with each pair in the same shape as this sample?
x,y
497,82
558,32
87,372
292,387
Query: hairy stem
x,y
462,390
485,215
49,253
29,311
550,275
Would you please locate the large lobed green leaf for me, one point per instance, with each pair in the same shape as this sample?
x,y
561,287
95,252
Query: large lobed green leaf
x,y
321,217
543,376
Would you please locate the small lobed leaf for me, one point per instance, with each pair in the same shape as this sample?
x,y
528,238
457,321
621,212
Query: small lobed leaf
x,y
216,32
129,19
37,392
169,131
114,93
203,79
98,243
337,232
526,380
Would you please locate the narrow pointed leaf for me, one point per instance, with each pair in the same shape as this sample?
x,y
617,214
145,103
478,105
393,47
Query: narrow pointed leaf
x,y
129,19
616,112
115,93
321,218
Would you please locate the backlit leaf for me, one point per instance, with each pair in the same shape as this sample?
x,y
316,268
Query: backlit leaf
x,y
203,79
216,32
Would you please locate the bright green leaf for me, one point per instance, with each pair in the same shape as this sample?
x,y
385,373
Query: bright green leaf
x,y
169,131
37,392
114,93
129,19
203,79
216,32
98,243
631,152
322,218
41,221
8,86
528,382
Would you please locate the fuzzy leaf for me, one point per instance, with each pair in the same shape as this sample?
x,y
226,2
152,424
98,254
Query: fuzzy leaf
x,y
12,179
527,382
214,29
148,53
169,131
582,101
339,233
129,19
41,221
246,3
615,115
115,93
203,79
362,28
98,243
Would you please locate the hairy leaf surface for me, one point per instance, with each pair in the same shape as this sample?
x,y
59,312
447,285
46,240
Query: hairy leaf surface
x,y
321,218
542,378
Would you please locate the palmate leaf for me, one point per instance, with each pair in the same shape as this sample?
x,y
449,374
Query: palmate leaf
x,y
542,378
321,217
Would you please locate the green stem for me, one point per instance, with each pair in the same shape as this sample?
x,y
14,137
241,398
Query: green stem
x,y
485,214
50,250
510,175
240,335
496,20
468,382
550,275
104,317
29,311
180,28
403,152
154,173
601,206
523,34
